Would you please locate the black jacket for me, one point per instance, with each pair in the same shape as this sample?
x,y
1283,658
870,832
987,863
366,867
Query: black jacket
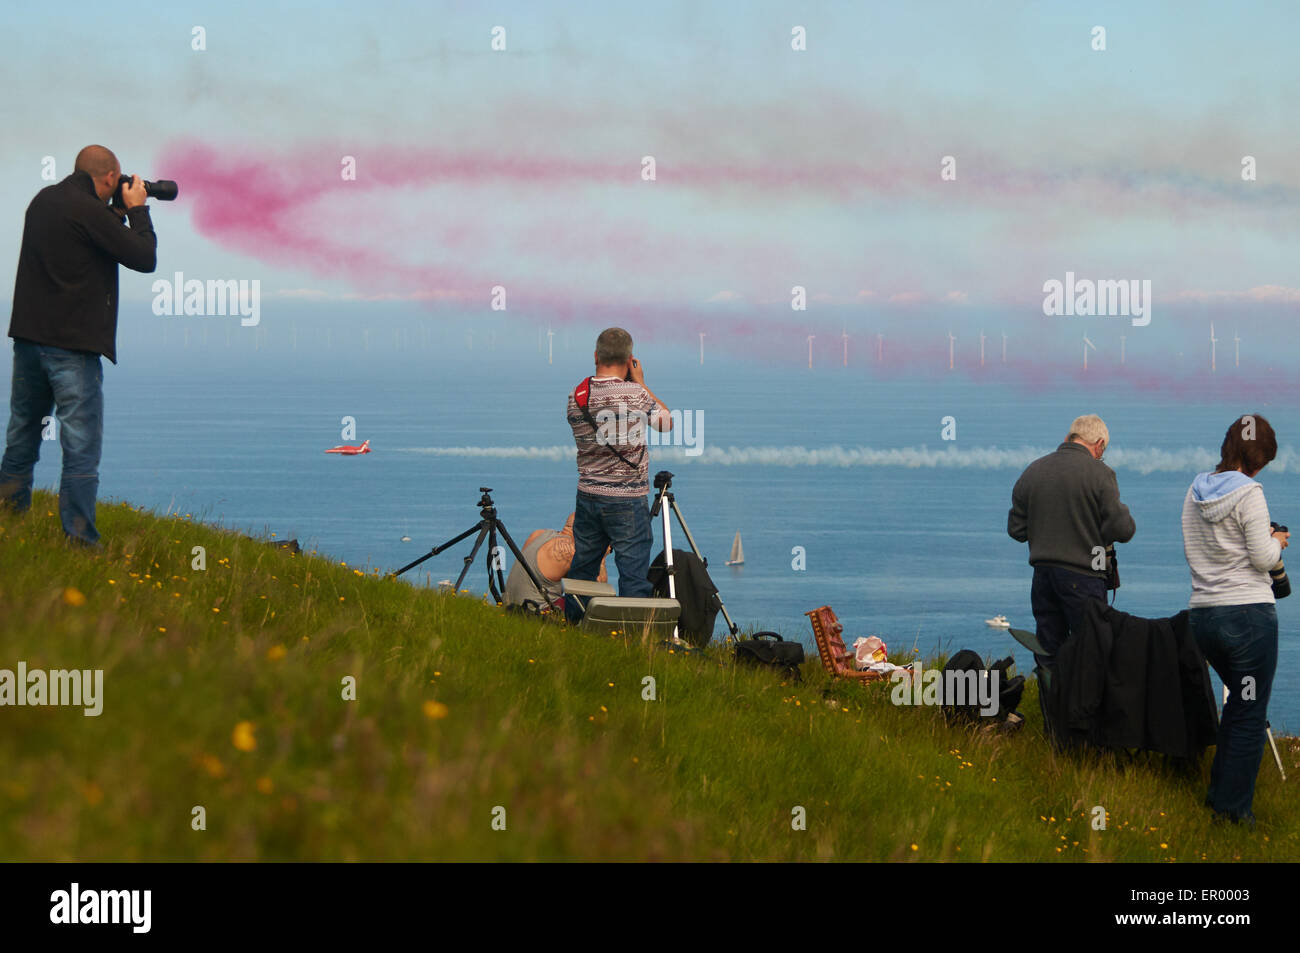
x,y
696,594
65,294
1063,505
1126,682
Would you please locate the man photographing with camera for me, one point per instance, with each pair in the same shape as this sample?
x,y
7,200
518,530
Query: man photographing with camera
x,y
1066,506
608,413
64,318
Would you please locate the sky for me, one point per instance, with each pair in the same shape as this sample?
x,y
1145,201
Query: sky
x,y
774,167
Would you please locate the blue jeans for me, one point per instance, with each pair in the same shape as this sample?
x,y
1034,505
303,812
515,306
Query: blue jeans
x,y
1240,642
69,384
1058,596
598,523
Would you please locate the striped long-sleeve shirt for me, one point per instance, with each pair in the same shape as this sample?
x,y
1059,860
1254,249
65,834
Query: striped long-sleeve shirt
x,y
1228,541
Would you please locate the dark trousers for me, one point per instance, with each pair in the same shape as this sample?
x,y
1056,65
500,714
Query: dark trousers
x,y
68,385
1241,643
600,522
1058,597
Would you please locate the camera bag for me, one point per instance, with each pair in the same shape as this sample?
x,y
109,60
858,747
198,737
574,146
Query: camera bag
x,y
1010,687
769,649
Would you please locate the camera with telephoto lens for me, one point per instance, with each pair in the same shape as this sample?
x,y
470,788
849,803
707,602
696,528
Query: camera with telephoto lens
x,y
1281,584
164,190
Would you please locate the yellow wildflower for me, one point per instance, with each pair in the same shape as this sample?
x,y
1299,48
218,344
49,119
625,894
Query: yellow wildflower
x,y
242,737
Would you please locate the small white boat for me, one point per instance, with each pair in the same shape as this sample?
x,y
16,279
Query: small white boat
x,y
998,622
406,539
737,552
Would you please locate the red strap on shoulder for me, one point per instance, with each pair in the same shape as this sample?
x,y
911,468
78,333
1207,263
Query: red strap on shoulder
x,y
582,393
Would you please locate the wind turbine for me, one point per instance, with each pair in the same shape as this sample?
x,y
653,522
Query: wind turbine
x,y
550,345
880,348
981,347
1236,342
1087,344
951,341
1213,355
845,336
810,340
1004,347
701,348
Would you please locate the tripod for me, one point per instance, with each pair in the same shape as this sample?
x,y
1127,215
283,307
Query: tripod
x,y
664,484
487,528
1268,730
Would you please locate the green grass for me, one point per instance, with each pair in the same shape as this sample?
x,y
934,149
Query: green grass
x,y
461,709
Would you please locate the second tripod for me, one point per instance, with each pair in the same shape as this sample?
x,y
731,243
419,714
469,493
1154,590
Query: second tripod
x,y
664,484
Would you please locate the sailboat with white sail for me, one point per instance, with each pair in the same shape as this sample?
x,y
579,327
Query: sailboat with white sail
x,y
737,552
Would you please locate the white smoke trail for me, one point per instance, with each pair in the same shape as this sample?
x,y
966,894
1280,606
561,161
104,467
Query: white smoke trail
x,y
1189,460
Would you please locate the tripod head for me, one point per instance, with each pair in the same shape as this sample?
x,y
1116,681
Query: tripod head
x,y
664,484
486,507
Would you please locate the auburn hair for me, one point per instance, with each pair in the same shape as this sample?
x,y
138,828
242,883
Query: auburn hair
x,y
1249,444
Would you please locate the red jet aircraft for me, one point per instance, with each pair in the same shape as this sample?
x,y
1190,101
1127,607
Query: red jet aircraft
x,y
350,451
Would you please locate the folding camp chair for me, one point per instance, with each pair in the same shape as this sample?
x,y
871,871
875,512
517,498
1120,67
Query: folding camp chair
x,y
835,656
1043,672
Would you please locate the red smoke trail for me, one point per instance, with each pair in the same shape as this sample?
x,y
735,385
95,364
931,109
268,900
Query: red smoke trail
x,y
296,210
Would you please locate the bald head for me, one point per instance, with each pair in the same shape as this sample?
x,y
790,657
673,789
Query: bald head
x,y
101,165
96,161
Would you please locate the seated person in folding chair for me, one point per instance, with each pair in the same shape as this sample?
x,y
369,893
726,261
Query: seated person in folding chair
x,y
550,553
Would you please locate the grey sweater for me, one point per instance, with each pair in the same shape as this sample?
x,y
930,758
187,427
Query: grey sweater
x,y
1064,505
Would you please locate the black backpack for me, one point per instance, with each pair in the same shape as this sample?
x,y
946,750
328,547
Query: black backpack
x,y
696,593
1010,688
768,648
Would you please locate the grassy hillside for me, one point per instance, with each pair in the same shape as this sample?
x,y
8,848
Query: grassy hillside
x,y
223,689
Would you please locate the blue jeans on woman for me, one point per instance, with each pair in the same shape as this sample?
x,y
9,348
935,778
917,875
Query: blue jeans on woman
x,y
68,384
1240,642
603,521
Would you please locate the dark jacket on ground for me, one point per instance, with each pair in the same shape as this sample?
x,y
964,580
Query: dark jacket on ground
x,y
1066,503
65,294
1127,682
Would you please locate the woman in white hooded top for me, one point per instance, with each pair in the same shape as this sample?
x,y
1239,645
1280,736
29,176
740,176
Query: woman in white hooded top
x,y
1230,547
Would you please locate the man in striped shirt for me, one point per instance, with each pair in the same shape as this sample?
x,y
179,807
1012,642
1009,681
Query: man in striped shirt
x,y
608,413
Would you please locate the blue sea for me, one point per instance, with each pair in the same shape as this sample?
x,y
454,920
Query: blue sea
x,y
903,533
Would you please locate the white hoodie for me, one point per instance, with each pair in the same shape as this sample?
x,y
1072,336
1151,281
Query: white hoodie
x,y
1228,541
